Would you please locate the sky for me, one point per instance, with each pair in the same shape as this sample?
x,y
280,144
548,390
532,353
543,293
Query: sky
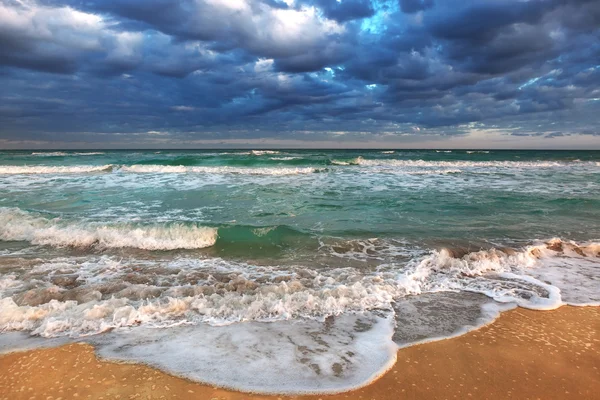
x,y
300,73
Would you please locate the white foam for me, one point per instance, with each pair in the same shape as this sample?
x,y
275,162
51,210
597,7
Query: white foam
x,y
263,152
224,292
355,161
50,154
63,154
463,164
338,355
42,169
216,170
17,225
529,278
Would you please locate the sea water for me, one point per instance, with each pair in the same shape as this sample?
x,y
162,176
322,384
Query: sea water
x,y
287,271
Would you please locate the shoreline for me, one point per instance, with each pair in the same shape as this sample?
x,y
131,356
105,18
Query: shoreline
x,y
522,354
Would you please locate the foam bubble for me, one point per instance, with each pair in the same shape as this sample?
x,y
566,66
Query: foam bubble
x,y
332,356
77,298
529,277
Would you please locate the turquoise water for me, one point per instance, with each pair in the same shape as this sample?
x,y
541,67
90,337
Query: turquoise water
x,y
413,245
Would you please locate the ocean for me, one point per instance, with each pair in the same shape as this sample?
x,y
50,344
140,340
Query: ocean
x,y
287,271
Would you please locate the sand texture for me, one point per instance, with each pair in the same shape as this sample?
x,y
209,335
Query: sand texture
x,y
523,355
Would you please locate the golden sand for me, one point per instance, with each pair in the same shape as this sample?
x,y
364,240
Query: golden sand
x,y
523,355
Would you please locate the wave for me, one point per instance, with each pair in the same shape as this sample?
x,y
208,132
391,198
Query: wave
x,y
64,154
361,161
295,166
388,152
50,154
44,169
156,169
461,164
354,161
218,170
541,276
285,158
478,151
263,152
430,295
18,225
221,292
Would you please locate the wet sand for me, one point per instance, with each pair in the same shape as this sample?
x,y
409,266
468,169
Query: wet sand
x,y
523,355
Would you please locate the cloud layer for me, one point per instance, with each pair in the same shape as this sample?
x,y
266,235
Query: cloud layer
x,y
108,71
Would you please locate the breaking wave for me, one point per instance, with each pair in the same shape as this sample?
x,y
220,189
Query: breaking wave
x,y
457,164
64,154
263,152
296,166
218,170
17,225
79,297
43,169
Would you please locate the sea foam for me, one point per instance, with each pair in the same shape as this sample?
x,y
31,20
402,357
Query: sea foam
x,y
42,169
332,326
216,170
17,225
78,297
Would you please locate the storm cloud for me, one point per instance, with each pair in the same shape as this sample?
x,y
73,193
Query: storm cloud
x,y
110,72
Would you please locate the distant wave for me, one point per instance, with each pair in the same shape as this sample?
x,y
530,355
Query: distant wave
x,y
263,152
18,225
478,151
457,163
218,170
50,154
45,169
390,165
64,154
354,161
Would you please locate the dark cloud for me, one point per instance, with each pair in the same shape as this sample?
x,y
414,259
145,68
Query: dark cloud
x,y
273,68
348,10
412,6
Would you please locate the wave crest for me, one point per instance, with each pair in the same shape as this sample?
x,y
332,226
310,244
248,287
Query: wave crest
x,y
217,170
17,225
45,169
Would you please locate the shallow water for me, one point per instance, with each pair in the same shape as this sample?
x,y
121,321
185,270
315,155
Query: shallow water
x,y
327,260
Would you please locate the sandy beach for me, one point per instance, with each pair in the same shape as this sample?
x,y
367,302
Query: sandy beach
x,y
522,355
